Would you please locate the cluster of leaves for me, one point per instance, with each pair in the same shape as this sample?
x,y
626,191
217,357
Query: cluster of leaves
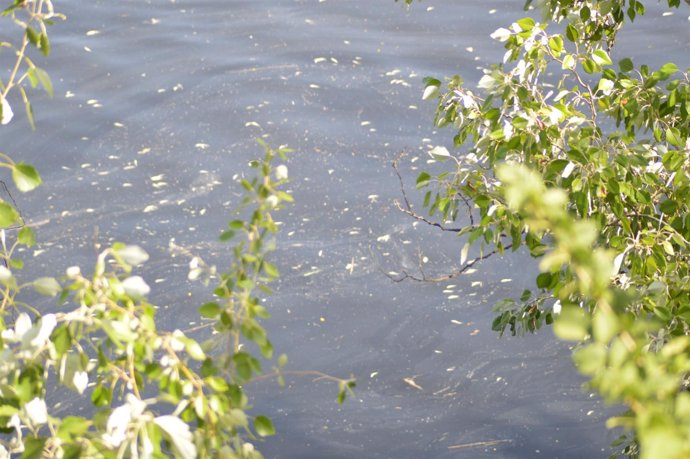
x,y
586,163
31,19
153,393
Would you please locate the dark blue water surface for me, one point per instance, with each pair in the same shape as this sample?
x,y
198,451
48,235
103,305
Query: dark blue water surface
x,y
157,107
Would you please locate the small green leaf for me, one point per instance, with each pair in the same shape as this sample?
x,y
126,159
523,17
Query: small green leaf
x,y
47,286
26,236
601,57
32,35
626,65
194,350
423,180
25,177
45,81
209,310
8,215
226,235
264,426
668,69
33,448
44,44
674,137
526,23
669,206
571,324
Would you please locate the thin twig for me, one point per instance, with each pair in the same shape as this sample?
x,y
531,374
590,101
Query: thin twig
x,y
424,278
479,444
408,207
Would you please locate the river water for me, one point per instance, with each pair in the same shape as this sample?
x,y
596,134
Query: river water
x,y
157,107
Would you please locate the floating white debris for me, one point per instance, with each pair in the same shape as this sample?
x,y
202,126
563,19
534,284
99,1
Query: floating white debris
x,y
118,124
314,86
373,374
469,49
91,33
69,94
202,146
667,13
456,322
412,383
384,238
157,178
143,151
92,101
252,123
506,280
477,284
470,271
313,271
453,297
178,87
492,11
155,21
430,8
87,49
150,208
393,72
318,60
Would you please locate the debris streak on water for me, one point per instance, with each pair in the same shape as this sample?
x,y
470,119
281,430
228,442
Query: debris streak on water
x,y
158,108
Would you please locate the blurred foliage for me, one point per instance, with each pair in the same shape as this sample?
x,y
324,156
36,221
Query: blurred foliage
x,y
585,162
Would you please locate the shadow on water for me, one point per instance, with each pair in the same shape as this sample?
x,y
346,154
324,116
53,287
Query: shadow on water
x,y
153,125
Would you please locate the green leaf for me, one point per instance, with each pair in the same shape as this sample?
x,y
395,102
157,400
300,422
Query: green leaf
x,y
264,426
669,206
25,177
668,69
210,310
556,44
626,65
33,448
45,81
8,215
226,235
674,137
72,427
26,236
45,44
604,325
601,57
526,24
423,179
47,286
194,350
571,33
568,62
32,35
571,324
